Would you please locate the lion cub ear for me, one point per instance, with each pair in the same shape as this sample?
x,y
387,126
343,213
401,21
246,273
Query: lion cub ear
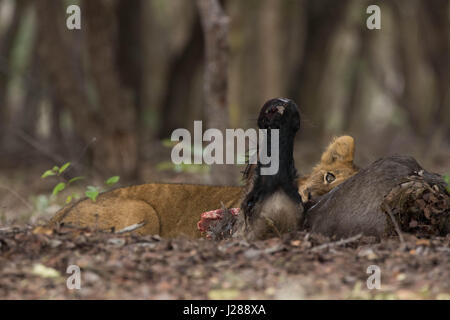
x,y
341,149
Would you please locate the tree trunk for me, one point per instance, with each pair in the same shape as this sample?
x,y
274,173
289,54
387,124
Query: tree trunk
x,y
181,83
112,123
118,141
215,27
6,46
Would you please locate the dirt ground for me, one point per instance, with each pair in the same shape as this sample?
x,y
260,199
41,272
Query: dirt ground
x,y
298,266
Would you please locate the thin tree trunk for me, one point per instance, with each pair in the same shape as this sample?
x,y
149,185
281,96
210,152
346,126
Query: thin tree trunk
x,y
112,123
215,27
6,46
181,82
324,23
118,152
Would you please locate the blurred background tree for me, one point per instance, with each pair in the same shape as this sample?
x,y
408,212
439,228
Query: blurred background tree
x,y
105,96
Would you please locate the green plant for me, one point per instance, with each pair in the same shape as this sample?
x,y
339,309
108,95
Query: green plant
x,y
91,192
62,185
447,181
189,168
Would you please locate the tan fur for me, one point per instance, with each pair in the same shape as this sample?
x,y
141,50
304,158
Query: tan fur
x,y
172,210
337,160
169,210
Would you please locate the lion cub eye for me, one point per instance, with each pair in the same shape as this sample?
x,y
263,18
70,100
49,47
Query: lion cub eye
x,y
329,177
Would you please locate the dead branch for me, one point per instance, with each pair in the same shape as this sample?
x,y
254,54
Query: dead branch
x,y
36,145
337,243
18,196
394,222
131,228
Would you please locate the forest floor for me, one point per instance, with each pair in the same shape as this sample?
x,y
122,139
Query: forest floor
x,y
298,266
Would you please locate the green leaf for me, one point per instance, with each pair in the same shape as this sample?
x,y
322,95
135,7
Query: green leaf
x,y
47,174
168,143
165,165
112,180
75,179
92,188
58,188
55,169
447,181
64,167
195,168
74,195
92,193
192,168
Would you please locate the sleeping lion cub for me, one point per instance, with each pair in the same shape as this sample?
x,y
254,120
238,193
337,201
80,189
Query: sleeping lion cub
x,y
172,210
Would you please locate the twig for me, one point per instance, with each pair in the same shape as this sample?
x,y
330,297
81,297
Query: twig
x,y
26,138
131,228
337,243
394,221
18,196
6,229
51,155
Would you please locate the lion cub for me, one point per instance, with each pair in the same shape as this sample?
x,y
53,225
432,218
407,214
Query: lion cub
x,y
335,166
172,210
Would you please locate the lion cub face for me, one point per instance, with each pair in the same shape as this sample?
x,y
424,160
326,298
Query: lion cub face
x,y
336,165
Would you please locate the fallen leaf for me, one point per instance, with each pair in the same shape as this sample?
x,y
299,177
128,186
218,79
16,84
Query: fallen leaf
x,y
223,294
43,230
44,272
295,243
423,242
